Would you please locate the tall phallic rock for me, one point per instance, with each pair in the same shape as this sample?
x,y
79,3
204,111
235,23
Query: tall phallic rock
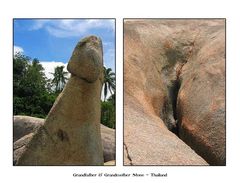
x,y
71,132
162,103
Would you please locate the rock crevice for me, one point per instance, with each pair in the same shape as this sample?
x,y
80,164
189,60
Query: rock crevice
x,y
174,81
127,154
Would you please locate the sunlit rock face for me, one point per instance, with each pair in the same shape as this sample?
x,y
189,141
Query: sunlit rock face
x,y
71,134
174,92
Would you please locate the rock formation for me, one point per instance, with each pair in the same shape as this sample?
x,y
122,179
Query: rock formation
x,y
174,86
201,98
109,143
71,132
25,126
20,145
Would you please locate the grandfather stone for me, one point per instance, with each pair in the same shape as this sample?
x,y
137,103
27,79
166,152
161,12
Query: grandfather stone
x,y
71,132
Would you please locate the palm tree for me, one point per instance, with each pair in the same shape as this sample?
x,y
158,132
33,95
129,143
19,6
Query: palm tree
x,y
109,84
112,99
59,78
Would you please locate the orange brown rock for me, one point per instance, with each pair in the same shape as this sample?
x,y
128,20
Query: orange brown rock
x,y
170,69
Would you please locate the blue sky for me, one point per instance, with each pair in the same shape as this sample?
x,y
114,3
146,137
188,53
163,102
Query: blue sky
x,y
53,40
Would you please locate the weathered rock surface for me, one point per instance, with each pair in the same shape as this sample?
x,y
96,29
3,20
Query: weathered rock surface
x,y
148,142
23,125
71,132
109,143
20,146
160,57
201,99
27,126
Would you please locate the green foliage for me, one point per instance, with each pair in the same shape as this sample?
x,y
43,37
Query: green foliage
x,y
109,84
60,78
31,94
108,106
108,114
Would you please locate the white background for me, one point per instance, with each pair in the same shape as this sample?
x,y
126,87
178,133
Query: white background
x,y
119,10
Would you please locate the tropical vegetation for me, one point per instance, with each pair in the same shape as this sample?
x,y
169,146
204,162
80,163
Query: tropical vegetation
x,y
59,78
34,94
109,85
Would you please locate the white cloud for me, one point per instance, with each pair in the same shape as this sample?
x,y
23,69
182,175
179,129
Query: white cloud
x,y
49,67
38,24
17,49
72,27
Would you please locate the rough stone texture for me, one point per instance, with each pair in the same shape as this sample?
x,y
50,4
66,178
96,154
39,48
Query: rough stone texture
x,y
87,48
71,132
127,158
201,99
19,146
149,142
160,57
24,125
109,144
